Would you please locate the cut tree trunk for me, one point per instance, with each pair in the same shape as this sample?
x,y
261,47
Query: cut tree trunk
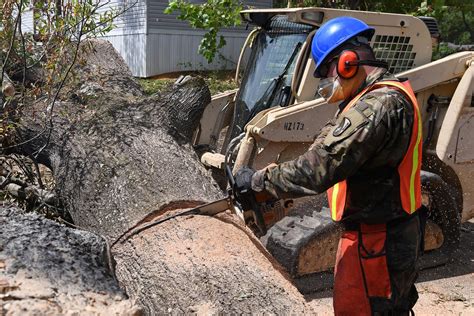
x,y
49,269
121,159
204,265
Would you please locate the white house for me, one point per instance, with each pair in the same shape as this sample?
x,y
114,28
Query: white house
x,y
153,43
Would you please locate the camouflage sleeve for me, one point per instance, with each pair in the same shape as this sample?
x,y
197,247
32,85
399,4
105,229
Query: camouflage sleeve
x,y
342,147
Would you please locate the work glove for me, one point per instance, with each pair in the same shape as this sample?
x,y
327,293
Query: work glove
x,y
245,196
243,187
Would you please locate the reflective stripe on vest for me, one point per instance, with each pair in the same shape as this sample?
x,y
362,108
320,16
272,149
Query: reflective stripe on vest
x,y
409,168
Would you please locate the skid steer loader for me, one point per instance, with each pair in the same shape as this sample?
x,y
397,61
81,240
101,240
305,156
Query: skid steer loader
x,y
275,115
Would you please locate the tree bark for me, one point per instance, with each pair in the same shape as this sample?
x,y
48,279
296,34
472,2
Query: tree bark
x,y
121,159
49,269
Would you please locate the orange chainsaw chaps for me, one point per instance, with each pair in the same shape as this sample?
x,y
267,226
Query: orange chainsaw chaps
x,y
361,271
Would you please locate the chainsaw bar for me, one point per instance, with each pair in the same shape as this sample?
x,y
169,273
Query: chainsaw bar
x,y
213,208
208,209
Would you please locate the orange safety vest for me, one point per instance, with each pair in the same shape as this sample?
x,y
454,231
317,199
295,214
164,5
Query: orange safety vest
x,y
409,168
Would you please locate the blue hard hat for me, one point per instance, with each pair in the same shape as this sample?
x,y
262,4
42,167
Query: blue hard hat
x,y
335,32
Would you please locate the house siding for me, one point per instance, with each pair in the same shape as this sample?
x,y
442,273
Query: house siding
x,y
172,44
132,48
133,19
152,42
178,52
27,21
158,20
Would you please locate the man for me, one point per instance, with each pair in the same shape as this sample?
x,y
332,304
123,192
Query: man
x,y
368,159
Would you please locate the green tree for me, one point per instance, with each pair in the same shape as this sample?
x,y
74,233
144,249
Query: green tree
x,y
59,28
456,23
455,19
212,16
39,63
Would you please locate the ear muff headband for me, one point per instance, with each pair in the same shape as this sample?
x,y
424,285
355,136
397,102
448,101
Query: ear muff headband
x,y
348,64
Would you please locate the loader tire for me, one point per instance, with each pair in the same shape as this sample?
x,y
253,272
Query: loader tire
x,y
444,211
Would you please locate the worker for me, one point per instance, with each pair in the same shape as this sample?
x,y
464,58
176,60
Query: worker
x,y
368,159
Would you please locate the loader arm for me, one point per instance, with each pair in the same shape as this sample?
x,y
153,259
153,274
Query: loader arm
x,y
216,116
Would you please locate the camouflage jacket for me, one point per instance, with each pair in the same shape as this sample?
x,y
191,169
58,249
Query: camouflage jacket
x,y
363,145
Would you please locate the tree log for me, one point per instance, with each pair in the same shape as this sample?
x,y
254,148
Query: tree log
x,y
121,159
47,268
204,265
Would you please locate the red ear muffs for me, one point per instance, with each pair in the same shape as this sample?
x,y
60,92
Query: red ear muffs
x,y
348,64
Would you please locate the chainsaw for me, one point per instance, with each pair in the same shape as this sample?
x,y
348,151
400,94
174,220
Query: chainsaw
x,y
259,212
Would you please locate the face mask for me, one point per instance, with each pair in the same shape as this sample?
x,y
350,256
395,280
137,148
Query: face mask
x,y
330,89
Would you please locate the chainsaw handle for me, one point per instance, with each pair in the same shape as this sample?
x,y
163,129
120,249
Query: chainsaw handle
x,y
254,205
252,199
228,171
258,216
230,176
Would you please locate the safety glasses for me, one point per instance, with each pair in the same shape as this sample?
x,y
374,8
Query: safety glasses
x,y
323,70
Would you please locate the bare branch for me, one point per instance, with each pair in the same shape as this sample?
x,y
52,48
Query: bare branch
x,y
21,190
20,7
50,107
12,41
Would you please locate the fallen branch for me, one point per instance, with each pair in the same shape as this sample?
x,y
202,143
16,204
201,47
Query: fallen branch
x,y
24,191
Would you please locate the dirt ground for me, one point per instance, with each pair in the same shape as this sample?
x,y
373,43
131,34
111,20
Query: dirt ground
x,y
443,290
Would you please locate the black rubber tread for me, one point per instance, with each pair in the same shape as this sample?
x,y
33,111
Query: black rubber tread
x,y
315,282
445,212
287,237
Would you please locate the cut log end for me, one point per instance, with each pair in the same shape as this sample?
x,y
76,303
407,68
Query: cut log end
x,y
199,262
48,269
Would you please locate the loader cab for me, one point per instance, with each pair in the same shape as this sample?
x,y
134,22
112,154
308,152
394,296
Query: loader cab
x,y
267,78
279,68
